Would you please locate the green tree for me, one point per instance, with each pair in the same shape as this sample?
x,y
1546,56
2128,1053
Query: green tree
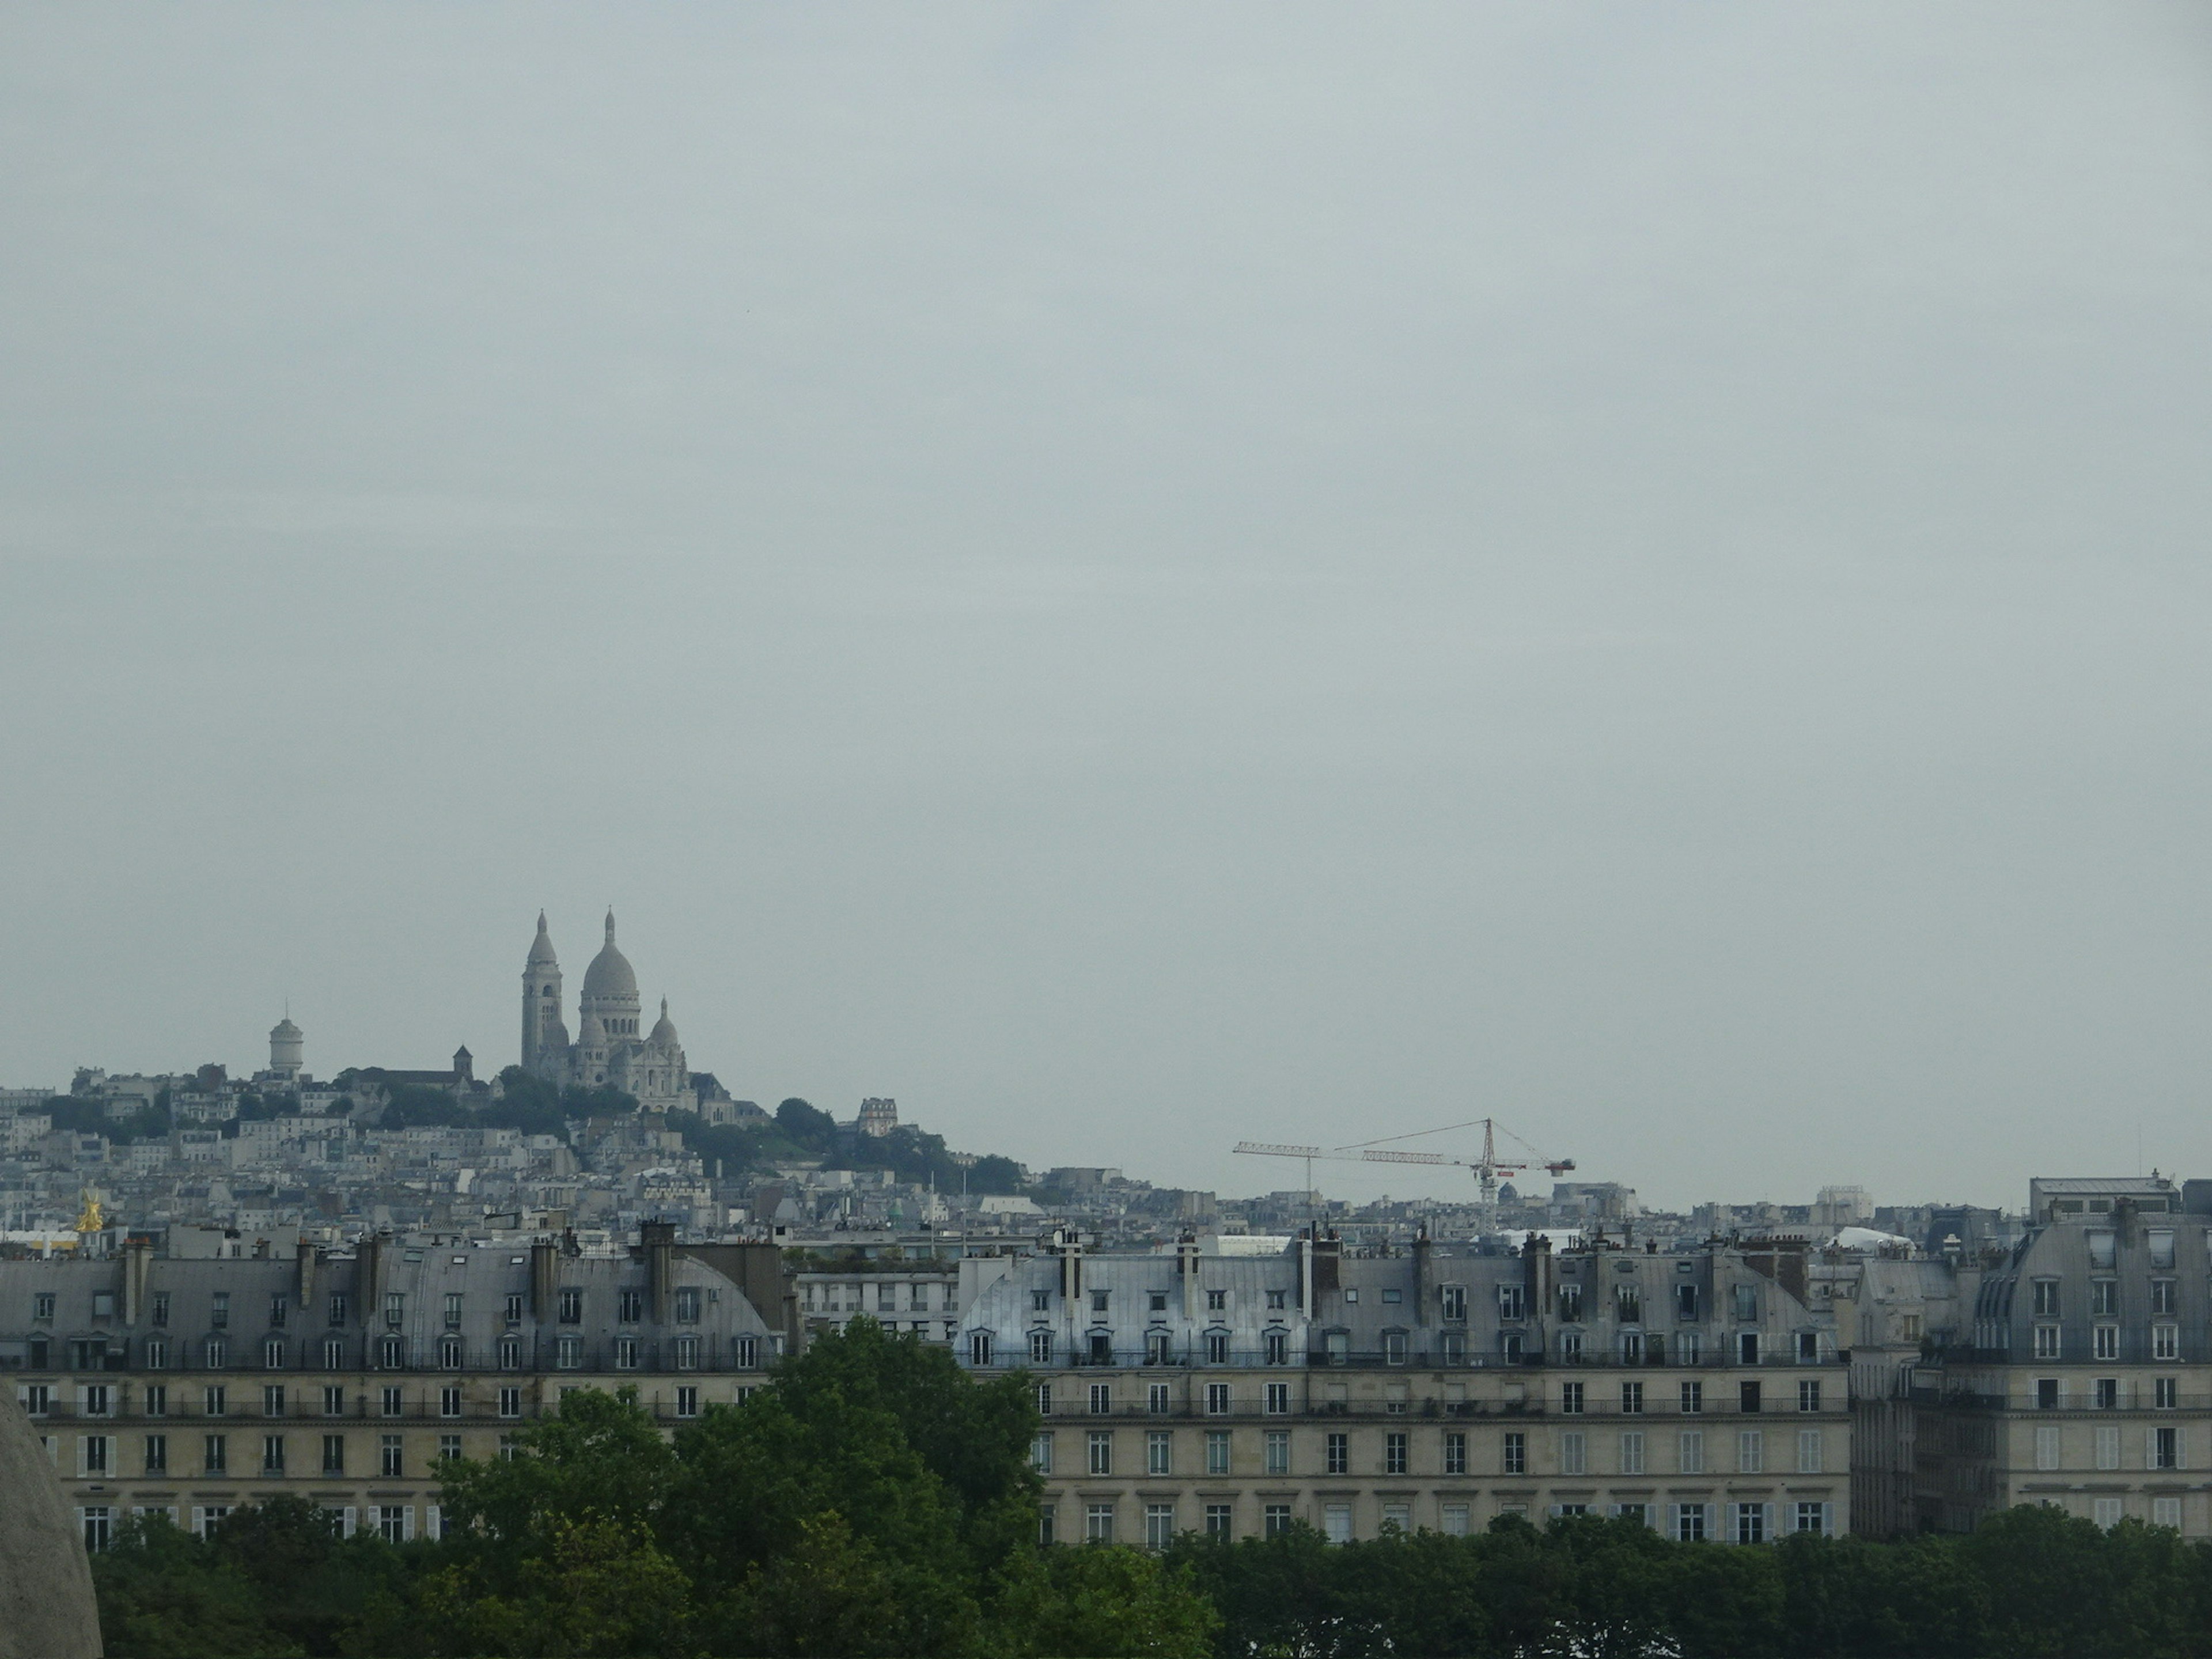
x,y
166,1594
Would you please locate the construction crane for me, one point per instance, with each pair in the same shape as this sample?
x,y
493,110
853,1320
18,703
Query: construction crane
x,y
1487,1168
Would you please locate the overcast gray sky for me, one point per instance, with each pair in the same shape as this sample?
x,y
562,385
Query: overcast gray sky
x,y
1135,576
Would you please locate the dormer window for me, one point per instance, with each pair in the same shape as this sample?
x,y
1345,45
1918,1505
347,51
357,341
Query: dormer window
x,y
1157,1301
1098,1301
1217,1301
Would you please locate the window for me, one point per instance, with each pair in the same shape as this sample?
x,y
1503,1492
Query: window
x,y
449,1448
1570,1304
1809,1451
1219,1520
1571,1347
2046,1342
1277,1347
1278,1449
218,1353
42,1304
1570,1398
1338,1454
333,1453
1694,1398
1217,1347
1574,1455
2107,1443
157,1354
156,1401
1039,1347
1336,1523
1514,1452
1687,1346
272,1400
1159,1526
1809,1347
160,1309
1631,1398
1040,1452
2106,1512
2166,1449
1748,1396
1156,1302
333,1354
512,1312
449,1353
687,1353
2166,1512
2165,1342
1631,1347
1751,1452
1101,1347
1689,1522
394,1402
394,1521
454,1309
1512,1302
1746,1300
1156,1398
1455,1520
979,1349
1809,1395
157,1454
687,1304
2161,1248
1686,1302
1389,1295
1395,1458
1098,1301
1159,1452
1690,1454
219,1310
449,1402
1751,1523
215,1454
1098,1523
2049,1394
2105,1393
99,1400
510,1353
95,1448
1454,1298
391,1353
2046,1447
1217,1301
748,1349
337,1310
1455,1453
2165,1391
2161,1295
1276,1519
1101,1398
1275,1400
96,1527
272,1454
1747,1348
2107,1342
2046,1298
391,1463
1217,1451
572,1307
1812,1518
395,1309
215,1401
625,1353
1632,1452
2104,1298
1217,1399
1102,1451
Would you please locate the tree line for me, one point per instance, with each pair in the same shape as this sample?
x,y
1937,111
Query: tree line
x,y
873,1500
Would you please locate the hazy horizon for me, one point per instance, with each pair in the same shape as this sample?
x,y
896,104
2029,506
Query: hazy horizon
x,y
1136,579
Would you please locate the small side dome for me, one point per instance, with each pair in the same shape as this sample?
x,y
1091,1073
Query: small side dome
x,y
664,1029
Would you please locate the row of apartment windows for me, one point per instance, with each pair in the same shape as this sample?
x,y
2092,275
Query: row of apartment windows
x,y
98,1454
853,1298
1574,1398
630,1306
2049,1342
1629,1451
2105,1393
1632,1348
1157,1301
1745,1524
394,1523
2162,1447
99,1400
393,1353
2105,1297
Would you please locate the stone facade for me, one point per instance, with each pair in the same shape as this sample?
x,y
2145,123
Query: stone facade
x,y
1237,1395
193,1386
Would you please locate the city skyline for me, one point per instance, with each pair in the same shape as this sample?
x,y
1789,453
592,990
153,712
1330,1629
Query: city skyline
x,y
1547,564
